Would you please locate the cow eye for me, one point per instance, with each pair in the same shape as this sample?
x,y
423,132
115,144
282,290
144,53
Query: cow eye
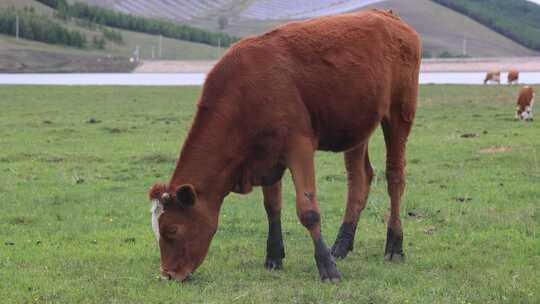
x,y
169,232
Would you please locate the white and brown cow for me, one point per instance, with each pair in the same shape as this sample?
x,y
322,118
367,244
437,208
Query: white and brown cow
x,y
513,77
493,76
525,103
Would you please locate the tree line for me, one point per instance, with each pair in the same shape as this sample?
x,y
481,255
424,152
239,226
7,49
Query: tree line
x,y
138,24
37,27
518,20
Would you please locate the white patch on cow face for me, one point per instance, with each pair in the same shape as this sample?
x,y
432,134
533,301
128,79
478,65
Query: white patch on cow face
x,y
527,114
157,211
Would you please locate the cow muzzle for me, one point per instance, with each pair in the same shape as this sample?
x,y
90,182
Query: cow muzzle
x,y
525,115
172,276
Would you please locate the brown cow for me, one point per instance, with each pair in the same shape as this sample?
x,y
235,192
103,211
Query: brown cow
x,y
525,103
494,76
269,104
513,77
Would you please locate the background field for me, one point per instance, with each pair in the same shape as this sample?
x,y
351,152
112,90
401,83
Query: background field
x,y
31,56
441,28
76,164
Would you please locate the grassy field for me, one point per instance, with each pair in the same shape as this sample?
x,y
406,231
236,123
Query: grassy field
x,y
76,164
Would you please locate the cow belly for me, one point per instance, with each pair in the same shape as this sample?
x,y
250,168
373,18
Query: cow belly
x,y
346,139
338,133
270,176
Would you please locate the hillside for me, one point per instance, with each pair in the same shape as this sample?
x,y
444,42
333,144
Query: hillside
x,y
31,56
518,20
443,30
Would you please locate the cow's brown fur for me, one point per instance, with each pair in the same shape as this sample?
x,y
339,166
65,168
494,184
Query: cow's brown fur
x,y
513,76
494,76
525,103
268,105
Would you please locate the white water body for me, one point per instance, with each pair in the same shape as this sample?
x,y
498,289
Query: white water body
x,y
473,78
195,79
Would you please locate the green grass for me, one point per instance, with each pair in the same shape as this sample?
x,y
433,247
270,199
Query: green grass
x,y
75,221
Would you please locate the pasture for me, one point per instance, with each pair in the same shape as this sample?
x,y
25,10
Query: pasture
x,y
76,164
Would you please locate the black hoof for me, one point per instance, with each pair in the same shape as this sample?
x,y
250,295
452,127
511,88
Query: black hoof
x,y
394,257
326,263
329,273
394,246
341,248
273,264
344,241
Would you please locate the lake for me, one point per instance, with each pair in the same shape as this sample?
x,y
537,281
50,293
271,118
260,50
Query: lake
x,y
188,79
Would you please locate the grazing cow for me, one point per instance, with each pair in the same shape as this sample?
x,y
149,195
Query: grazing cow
x,y
494,76
268,105
525,103
513,77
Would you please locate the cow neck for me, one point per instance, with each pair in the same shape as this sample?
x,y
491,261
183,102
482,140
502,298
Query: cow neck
x,y
210,155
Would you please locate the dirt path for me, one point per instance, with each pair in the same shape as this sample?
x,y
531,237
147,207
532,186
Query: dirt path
x,y
524,64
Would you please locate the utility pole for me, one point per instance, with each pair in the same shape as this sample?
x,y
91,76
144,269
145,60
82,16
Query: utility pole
x,y
160,46
136,54
464,44
17,27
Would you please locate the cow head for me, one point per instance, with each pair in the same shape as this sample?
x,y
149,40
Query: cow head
x,y
524,112
183,228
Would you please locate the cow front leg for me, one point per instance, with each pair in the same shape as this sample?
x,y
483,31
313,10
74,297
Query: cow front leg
x,y
301,164
275,251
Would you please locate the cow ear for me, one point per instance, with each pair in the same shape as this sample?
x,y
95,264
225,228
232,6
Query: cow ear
x,y
157,191
186,195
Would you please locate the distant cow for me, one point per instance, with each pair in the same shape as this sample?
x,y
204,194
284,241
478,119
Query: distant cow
x,y
494,76
525,103
513,77
268,105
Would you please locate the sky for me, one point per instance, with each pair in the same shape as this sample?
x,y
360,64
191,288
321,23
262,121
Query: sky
x,y
535,1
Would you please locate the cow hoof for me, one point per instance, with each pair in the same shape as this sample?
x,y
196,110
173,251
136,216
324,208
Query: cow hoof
x,y
272,264
333,280
394,257
340,249
330,275
344,241
328,271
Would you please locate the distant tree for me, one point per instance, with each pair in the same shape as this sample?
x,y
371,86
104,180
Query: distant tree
x,y
447,54
111,18
112,35
426,54
37,27
518,20
98,43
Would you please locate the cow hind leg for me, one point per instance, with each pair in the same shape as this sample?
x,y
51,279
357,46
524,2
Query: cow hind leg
x,y
275,251
396,129
301,163
396,132
359,176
